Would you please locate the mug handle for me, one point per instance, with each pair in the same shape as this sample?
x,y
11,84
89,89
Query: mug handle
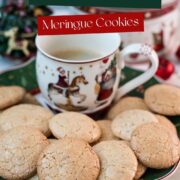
x,y
142,49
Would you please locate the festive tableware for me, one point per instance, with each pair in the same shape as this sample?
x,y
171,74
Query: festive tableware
x,y
87,85
160,26
24,76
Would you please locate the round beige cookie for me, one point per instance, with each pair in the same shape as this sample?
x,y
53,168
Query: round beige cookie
x,y
126,122
75,125
164,121
20,149
106,132
154,146
29,99
10,95
126,103
69,159
141,169
26,115
117,160
163,99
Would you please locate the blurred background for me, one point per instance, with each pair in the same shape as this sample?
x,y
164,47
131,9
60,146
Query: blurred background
x,y
18,28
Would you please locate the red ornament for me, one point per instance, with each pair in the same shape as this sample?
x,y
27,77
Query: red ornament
x,y
178,53
105,60
165,69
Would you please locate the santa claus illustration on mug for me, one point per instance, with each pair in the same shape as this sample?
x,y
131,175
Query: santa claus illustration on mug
x,y
62,84
106,80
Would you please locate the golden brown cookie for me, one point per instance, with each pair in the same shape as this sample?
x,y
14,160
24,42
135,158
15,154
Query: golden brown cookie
x,y
10,95
163,99
106,132
75,125
117,160
126,122
29,99
141,169
154,146
124,104
26,115
68,159
20,148
166,123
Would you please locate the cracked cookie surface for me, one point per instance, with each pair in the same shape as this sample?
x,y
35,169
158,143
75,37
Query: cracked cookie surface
x,y
126,122
68,159
19,152
154,146
124,104
10,95
26,115
163,99
117,160
164,121
75,125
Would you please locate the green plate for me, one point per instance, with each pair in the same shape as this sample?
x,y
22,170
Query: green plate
x,y
25,75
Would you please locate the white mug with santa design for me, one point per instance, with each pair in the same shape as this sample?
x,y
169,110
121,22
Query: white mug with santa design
x,y
82,72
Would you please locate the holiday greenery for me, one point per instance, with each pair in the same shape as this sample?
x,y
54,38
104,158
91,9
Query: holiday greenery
x,y
18,27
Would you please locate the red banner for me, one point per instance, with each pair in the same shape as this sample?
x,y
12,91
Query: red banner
x,y
98,23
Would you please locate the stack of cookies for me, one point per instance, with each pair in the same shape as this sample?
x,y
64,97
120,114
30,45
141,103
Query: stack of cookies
x,y
136,135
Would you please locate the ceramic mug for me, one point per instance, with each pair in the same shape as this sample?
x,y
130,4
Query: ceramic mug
x,y
87,85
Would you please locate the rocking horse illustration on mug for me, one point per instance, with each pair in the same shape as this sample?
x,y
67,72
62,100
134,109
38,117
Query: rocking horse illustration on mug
x,y
64,91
